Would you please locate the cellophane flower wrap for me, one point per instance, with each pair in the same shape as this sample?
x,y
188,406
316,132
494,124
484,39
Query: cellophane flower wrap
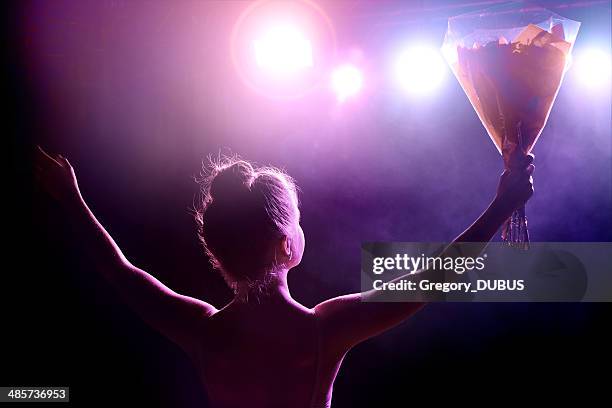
x,y
510,60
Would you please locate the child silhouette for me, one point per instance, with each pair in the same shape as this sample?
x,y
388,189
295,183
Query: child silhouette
x,y
263,349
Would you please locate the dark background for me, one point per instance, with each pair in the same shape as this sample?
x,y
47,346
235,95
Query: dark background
x,y
137,94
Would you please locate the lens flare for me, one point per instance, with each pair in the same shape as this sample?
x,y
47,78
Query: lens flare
x,y
283,49
593,68
420,69
346,82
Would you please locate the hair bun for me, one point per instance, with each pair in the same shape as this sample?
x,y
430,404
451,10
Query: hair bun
x,y
231,181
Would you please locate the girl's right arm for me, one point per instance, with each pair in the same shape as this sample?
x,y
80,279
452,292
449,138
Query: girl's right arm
x,y
176,316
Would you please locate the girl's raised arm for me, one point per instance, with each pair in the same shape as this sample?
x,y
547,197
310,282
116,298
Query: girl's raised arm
x,y
176,316
348,320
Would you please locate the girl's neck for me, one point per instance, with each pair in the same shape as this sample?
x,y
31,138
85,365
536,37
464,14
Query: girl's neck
x,y
272,289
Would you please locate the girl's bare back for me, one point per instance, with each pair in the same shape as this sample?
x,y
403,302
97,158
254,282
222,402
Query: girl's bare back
x,y
265,355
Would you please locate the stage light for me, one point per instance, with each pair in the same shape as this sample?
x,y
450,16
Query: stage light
x,y
346,81
283,49
593,68
420,69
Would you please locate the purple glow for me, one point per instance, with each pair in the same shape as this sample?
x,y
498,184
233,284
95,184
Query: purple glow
x,y
138,94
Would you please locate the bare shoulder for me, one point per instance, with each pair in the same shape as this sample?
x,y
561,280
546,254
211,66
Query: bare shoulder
x,y
348,320
191,310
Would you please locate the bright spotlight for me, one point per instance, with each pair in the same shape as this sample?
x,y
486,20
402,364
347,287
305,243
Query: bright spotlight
x,y
283,49
420,69
593,67
346,81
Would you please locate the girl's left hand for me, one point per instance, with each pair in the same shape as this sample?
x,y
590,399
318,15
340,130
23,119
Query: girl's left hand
x,y
56,176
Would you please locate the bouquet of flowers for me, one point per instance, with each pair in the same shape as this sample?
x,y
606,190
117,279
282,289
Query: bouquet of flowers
x,y
510,60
